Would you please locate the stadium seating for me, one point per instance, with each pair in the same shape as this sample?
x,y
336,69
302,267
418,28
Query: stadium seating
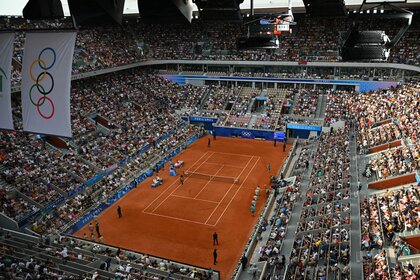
x,y
61,257
110,47
124,123
322,241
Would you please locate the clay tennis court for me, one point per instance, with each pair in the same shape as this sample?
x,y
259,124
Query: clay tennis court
x,y
177,221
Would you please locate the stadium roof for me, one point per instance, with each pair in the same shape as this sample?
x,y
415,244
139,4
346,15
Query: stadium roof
x,y
15,7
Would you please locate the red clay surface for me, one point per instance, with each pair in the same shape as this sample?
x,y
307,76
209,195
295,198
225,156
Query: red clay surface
x,y
177,221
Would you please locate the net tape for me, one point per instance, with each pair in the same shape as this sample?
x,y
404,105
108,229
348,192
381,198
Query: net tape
x,y
233,180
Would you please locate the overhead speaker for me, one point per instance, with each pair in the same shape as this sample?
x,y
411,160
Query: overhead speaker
x,y
365,46
43,10
365,53
96,12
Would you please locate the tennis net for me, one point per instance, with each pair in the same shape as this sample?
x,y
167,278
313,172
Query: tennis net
x,y
193,174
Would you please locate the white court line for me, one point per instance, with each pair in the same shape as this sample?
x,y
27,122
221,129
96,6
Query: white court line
x,y
227,206
177,187
227,165
191,198
171,185
228,190
241,155
174,218
205,185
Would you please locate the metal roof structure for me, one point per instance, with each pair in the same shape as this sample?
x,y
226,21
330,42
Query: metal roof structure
x,y
15,7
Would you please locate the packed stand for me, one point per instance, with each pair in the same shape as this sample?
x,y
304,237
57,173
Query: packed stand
x,y
218,98
271,251
138,41
272,110
239,115
399,210
322,245
372,236
397,105
395,162
15,207
40,192
376,267
306,103
338,106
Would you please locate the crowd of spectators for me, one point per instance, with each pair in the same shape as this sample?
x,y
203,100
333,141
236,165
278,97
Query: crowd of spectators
x,y
13,267
379,135
152,126
55,256
239,115
40,192
397,105
137,41
15,207
395,162
383,117
322,245
372,236
218,98
405,272
376,267
338,106
272,106
307,102
279,221
399,210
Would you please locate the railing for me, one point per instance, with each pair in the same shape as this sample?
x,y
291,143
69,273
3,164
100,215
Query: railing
x,y
399,66
92,265
216,274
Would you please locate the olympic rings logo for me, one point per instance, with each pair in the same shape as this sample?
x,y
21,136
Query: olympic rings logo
x,y
246,134
42,88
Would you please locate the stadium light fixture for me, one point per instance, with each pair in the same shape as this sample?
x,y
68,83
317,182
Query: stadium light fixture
x,y
358,45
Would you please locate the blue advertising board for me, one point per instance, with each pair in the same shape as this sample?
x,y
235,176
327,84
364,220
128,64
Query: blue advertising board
x,y
28,218
203,119
76,190
95,179
303,127
111,168
244,133
53,204
206,121
278,135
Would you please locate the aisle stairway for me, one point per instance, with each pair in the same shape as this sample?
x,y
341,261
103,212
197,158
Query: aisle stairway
x,y
355,244
319,105
322,106
295,99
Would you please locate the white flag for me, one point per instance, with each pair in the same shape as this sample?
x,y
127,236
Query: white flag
x,y
6,53
46,75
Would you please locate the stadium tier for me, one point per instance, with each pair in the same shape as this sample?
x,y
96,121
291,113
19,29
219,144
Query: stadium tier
x,y
190,159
